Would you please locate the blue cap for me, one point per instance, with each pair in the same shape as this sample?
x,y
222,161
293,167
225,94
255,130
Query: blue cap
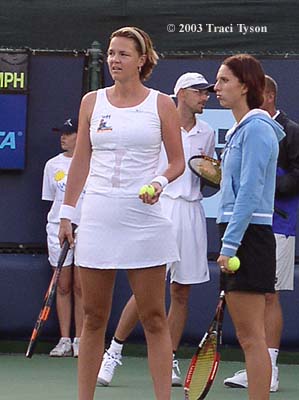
x,y
69,126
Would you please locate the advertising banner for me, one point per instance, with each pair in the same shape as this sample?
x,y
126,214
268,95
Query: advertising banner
x,y
13,111
13,72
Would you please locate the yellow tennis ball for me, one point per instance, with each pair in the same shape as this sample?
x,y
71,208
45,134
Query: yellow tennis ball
x,y
234,263
149,189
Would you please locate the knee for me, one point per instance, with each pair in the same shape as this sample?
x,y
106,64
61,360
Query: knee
x,y
244,340
249,340
64,289
77,290
180,295
153,322
94,320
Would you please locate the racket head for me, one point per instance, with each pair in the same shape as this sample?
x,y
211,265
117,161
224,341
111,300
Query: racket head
x,y
204,364
202,369
207,169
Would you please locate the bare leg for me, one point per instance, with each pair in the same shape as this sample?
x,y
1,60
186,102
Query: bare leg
x,y
273,320
128,320
148,286
248,314
178,312
64,301
97,289
78,310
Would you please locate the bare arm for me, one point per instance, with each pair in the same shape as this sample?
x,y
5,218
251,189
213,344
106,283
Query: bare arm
x,y
171,135
79,168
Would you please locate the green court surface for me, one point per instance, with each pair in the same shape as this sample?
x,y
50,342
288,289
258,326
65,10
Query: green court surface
x,y
45,378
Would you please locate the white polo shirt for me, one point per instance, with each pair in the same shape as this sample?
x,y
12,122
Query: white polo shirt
x,y
199,140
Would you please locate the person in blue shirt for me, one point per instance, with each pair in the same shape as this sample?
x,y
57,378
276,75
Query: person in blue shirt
x,y
284,227
245,211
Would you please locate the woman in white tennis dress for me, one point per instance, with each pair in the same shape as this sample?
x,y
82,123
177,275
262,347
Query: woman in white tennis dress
x,y
121,129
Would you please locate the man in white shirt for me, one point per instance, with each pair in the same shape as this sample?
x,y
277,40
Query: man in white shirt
x,y
181,203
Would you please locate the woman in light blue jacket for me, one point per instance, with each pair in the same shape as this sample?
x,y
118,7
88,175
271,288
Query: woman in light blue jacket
x,y
245,211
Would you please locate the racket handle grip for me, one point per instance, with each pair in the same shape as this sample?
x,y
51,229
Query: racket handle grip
x,y
65,248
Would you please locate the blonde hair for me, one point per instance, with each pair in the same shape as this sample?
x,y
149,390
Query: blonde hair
x,y
143,45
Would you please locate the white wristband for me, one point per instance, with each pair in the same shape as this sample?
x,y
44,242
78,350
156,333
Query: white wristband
x,y
67,212
162,180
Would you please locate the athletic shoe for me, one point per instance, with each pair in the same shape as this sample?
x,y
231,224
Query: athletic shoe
x,y
274,380
62,349
176,373
76,343
110,361
239,380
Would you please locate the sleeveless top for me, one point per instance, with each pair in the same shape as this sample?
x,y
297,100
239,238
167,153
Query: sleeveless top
x,y
126,144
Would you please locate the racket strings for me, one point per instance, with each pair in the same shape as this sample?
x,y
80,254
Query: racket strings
x,y
207,168
209,171
203,368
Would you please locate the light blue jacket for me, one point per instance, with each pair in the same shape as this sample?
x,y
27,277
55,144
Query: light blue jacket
x,y
248,177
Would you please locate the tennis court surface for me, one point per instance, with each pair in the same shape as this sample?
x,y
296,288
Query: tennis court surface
x,y
48,378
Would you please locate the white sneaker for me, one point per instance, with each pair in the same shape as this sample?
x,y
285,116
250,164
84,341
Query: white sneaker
x,y
62,349
239,380
76,343
274,380
176,373
109,363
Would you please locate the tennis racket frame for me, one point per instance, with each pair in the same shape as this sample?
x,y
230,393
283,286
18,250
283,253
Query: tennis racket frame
x,y
48,299
215,328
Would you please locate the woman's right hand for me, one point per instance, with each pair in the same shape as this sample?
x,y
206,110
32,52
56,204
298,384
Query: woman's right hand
x,y
147,199
66,232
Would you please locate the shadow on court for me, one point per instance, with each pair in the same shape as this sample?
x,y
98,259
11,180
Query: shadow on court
x,y
48,378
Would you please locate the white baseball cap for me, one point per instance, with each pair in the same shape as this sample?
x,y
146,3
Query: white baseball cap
x,y
192,80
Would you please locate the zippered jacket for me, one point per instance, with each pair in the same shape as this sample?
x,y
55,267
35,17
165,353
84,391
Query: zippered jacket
x,y
248,177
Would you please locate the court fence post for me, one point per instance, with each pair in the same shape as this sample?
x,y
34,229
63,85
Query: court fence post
x,y
95,66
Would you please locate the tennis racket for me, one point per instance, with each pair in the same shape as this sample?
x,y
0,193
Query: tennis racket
x,y
204,364
206,168
48,301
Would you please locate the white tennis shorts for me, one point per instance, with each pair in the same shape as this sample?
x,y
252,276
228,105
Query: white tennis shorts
x,y
189,224
285,262
54,247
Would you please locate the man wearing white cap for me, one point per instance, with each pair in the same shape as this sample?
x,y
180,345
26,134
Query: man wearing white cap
x,y
181,203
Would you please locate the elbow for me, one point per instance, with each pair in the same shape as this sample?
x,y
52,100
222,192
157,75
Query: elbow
x,y
183,166
180,167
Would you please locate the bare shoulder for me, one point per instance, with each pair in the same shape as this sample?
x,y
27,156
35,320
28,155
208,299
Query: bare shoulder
x,y
87,104
89,98
165,105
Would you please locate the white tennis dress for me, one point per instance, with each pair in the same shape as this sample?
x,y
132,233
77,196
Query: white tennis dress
x,y
117,230
181,203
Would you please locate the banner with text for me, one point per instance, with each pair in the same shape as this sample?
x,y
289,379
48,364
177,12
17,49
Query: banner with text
x,y
13,111
13,71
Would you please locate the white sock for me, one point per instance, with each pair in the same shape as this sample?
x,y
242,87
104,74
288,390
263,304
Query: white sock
x,y
66,338
273,355
115,347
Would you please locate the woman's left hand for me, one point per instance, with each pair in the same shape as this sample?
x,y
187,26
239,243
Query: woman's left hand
x,y
147,199
222,262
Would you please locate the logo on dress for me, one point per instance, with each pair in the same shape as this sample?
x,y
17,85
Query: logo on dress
x,y
104,125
